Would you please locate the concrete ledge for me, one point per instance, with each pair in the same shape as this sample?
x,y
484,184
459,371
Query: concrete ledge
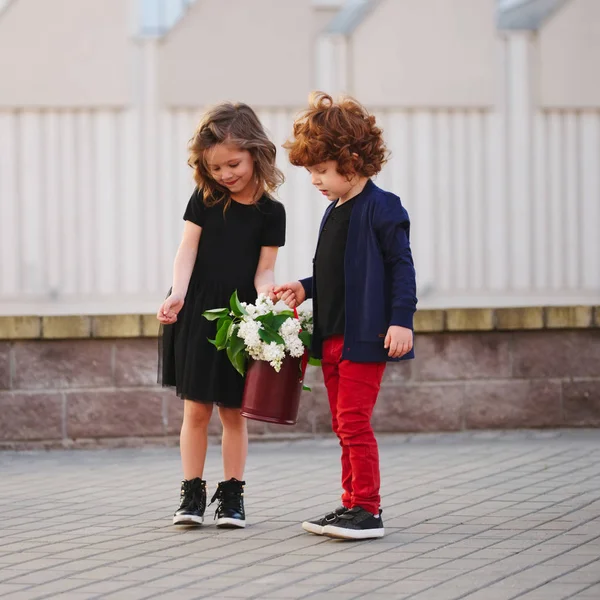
x,y
529,318
520,318
54,328
569,317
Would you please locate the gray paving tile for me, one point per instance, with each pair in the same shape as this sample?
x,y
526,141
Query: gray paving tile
x,y
494,516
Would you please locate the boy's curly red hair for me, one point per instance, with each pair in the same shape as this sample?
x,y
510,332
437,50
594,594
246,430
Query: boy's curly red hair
x,y
342,131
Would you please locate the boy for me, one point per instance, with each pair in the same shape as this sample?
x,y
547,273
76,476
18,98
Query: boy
x,y
363,291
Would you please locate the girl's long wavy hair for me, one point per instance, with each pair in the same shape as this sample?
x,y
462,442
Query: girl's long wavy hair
x,y
238,125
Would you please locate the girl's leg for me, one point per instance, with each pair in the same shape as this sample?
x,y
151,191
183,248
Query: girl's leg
x,y
235,442
193,440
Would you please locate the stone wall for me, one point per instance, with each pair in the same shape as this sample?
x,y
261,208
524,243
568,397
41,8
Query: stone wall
x,y
91,380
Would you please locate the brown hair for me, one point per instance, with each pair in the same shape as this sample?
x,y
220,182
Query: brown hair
x,y
342,131
238,125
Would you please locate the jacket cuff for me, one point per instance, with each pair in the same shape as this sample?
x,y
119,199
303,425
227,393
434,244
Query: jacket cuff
x,y
403,317
307,284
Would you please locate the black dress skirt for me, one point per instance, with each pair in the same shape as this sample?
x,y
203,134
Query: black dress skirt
x,y
228,254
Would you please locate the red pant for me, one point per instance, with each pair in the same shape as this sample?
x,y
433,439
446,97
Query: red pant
x,y
352,389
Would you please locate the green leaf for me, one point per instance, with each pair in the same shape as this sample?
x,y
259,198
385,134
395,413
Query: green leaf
x,y
239,362
236,353
305,338
265,319
236,307
278,321
269,336
222,320
314,362
221,339
215,313
305,388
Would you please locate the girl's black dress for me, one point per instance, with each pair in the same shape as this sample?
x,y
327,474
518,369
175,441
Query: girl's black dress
x,y
228,253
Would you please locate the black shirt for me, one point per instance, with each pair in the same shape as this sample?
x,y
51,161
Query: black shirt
x,y
330,272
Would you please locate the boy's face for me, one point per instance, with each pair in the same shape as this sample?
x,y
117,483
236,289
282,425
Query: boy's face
x,y
328,181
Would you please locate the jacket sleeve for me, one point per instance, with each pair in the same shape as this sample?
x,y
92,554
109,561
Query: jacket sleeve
x,y
307,284
392,227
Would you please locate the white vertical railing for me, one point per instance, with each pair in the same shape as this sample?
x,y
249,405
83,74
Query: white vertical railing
x,y
505,203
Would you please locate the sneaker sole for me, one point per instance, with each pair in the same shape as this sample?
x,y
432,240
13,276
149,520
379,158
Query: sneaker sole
x,y
341,533
228,523
187,520
312,528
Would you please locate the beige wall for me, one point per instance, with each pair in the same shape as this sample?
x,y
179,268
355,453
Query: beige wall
x,y
214,54
426,53
569,55
65,53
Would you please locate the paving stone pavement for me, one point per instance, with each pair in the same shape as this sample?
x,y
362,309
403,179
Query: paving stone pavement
x,y
487,516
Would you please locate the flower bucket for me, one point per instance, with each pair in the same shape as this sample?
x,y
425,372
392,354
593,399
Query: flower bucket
x,y
274,397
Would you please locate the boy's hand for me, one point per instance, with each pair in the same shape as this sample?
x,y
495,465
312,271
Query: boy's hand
x,y
167,313
399,340
292,293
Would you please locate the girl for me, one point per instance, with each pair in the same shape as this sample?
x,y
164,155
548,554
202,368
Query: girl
x,y
233,229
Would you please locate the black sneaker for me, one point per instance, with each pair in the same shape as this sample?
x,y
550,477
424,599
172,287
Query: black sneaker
x,y
193,503
316,526
355,524
230,511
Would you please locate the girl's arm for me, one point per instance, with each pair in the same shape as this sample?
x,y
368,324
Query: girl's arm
x,y
185,258
264,279
182,272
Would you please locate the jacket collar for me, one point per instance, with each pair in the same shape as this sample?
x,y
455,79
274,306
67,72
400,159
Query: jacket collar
x,y
358,199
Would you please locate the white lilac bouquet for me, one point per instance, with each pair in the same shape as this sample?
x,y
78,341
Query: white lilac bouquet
x,y
258,332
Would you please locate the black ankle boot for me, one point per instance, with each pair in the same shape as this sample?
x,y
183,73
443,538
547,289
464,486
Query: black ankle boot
x,y
192,503
230,511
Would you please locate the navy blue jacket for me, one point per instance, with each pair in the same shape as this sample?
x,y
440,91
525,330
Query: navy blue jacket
x,y
380,276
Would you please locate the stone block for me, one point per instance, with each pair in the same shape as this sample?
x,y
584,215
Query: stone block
x,y
30,416
62,364
150,326
121,413
415,408
429,321
469,319
512,404
451,356
116,326
136,362
174,413
581,403
569,317
530,317
313,375
399,373
4,366
20,328
556,354
64,327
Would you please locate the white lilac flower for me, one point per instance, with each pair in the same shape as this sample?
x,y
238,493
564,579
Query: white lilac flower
x,y
274,353
248,331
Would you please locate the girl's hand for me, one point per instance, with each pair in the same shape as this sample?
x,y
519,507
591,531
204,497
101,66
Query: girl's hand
x,y
167,313
268,290
292,293
399,340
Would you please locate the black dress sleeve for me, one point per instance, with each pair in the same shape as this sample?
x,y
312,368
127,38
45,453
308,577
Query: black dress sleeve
x,y
273,232
196,209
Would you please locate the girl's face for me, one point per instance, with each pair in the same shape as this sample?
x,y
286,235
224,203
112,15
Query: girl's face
x,y
231,167
328,181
